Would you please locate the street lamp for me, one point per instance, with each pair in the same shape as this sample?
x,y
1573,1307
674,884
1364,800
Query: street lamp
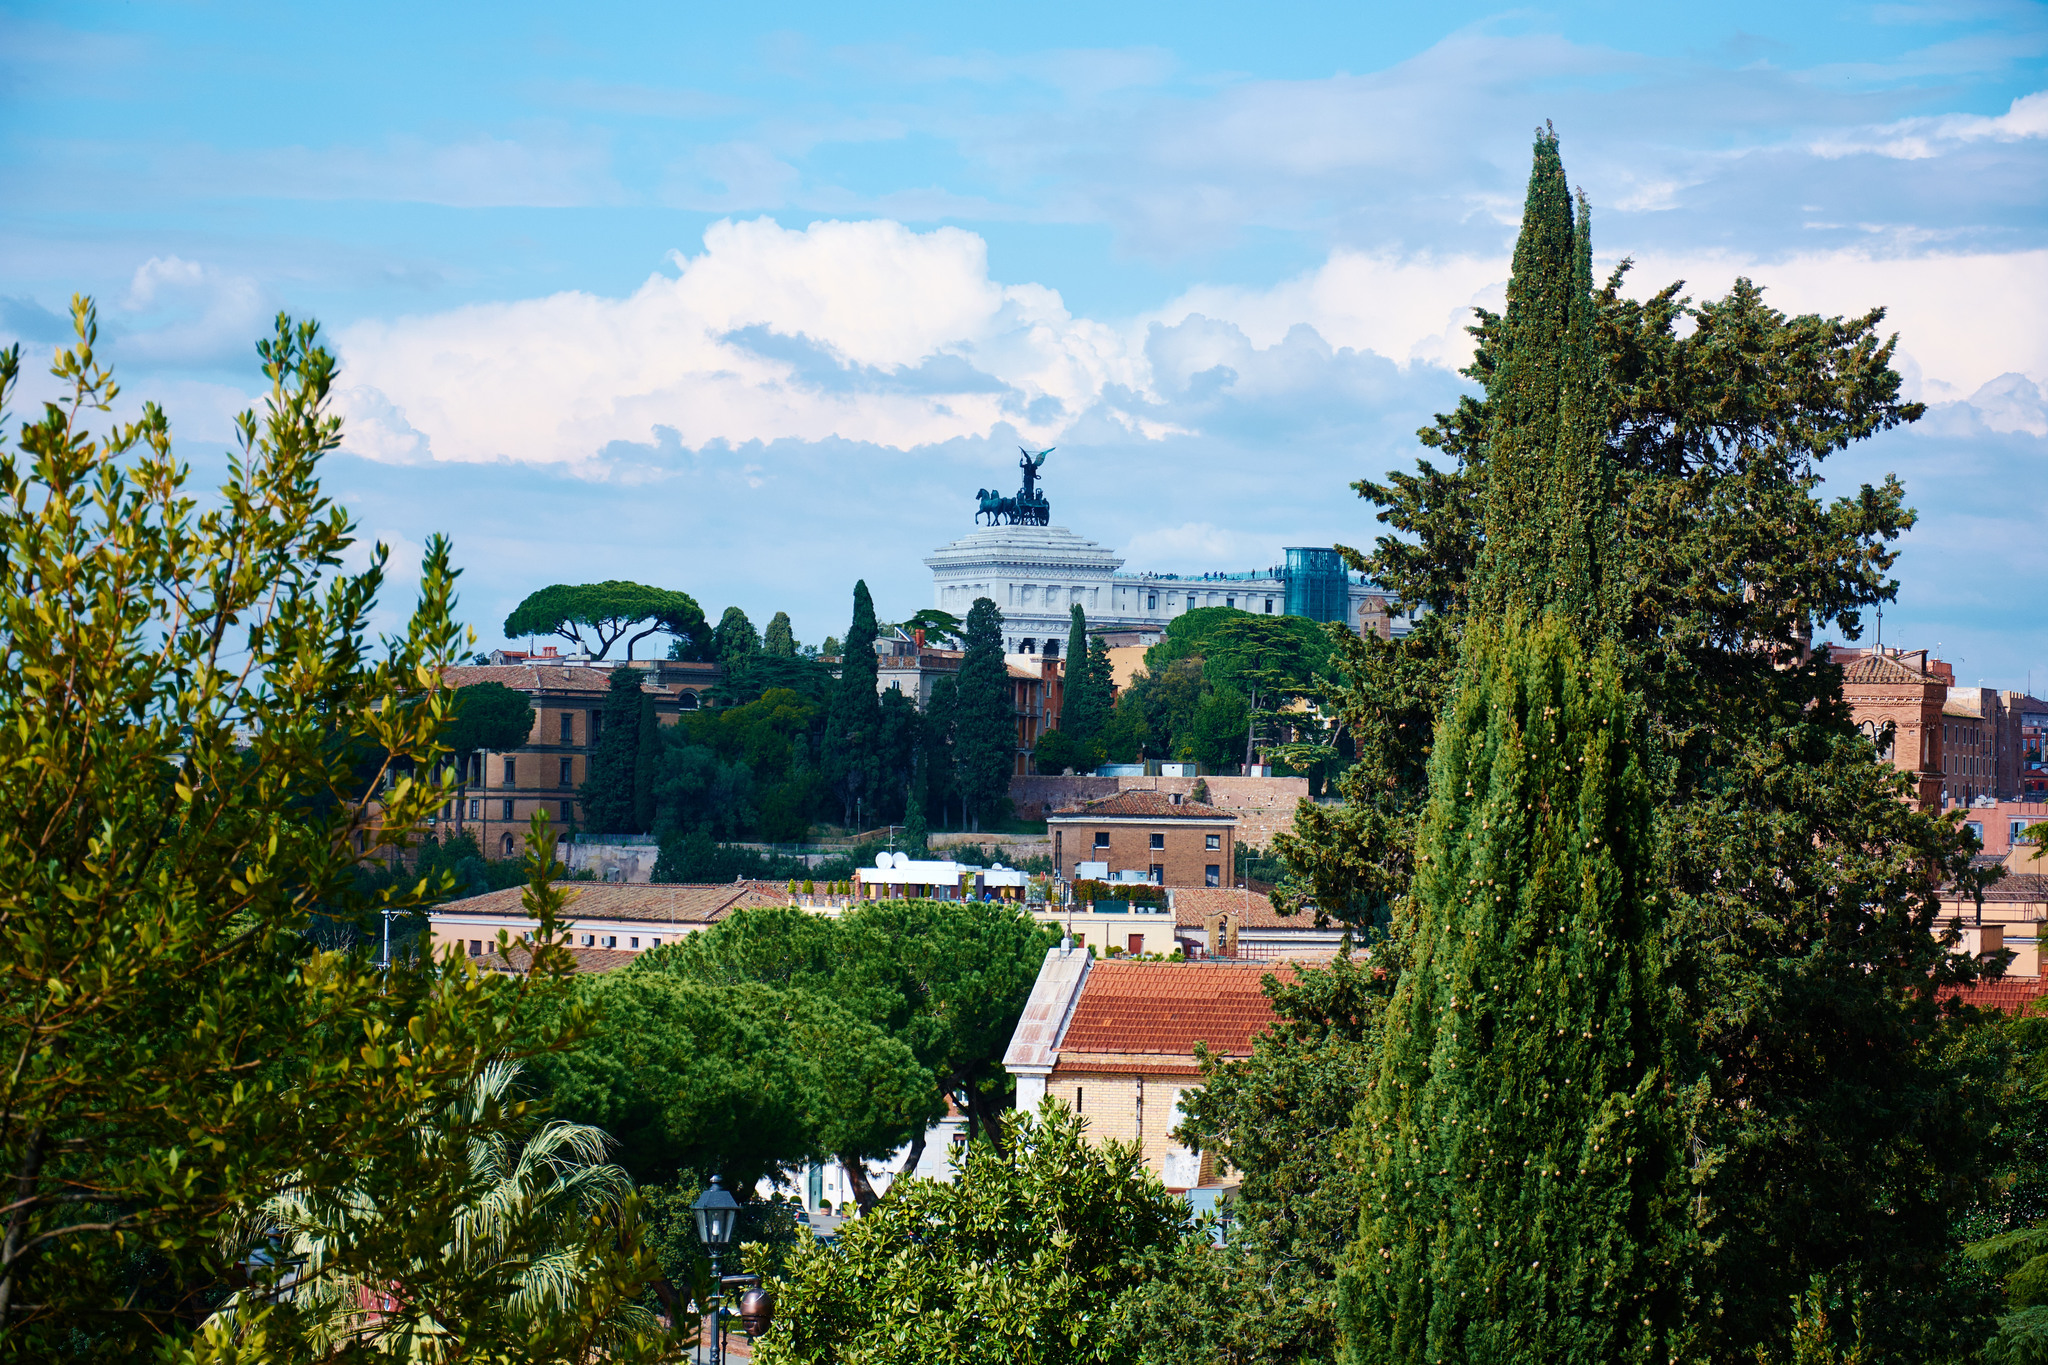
x,y
717,1215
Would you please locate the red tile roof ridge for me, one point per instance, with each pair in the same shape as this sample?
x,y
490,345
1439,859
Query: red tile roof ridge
x,y
1143,804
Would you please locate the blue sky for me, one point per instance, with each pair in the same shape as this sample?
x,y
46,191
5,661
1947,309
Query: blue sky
x,y
751,309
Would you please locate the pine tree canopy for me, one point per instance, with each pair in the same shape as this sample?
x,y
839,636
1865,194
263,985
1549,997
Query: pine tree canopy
x,y
609,611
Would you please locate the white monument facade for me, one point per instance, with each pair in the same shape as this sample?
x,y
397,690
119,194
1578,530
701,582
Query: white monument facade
x,y
1036,573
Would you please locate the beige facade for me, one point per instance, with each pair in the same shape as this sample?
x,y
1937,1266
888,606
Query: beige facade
x,y
548,772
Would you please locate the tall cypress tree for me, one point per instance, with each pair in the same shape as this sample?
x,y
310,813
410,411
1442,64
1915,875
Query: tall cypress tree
x,y
779,640
608,786
851,727
984,715
646,759
1517,1147
1084,707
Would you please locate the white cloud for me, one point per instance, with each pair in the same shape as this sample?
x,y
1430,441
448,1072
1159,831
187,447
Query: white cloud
x,y
873,333
866,331
1916,139
184,312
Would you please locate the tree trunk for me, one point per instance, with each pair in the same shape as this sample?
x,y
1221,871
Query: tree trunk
x,y
857,1178
24,1203
916,1155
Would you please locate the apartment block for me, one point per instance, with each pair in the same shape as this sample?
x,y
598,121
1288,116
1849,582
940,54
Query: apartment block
x,y
1162,837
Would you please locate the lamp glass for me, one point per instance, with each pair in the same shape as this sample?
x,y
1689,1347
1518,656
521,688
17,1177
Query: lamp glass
x,y
716,1213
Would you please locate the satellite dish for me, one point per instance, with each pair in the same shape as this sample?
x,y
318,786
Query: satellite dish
x,y
995,867
902,859
882,862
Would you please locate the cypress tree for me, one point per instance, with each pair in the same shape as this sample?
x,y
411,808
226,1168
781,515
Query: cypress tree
x,y
1517,1147
608,787
1083,706
779,640
646,759
850,727
984,715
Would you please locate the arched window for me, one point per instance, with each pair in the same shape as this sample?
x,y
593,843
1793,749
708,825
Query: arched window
x,y
687,701
506,844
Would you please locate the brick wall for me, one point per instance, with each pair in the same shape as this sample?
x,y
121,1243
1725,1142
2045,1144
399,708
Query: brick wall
x,y
1183,848
1262,805
1125,1108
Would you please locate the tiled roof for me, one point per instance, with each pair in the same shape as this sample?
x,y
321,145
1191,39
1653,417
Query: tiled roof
x,y
1192,905
628,901
2012,887
594,678
588,960
1142,805
2011,996
1882,668
1133,1014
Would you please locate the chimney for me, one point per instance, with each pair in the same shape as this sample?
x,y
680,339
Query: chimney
x,y
918,635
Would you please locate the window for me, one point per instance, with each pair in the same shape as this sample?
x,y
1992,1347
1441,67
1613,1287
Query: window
x,y
1159,841
476,947
2019,829
1230,601
1102,838
476,810
1191,601
611,940
596,726
1269,606
1151,601
654,943
568,727
511,772
1976,828
1158,874
589,939
568,811
505,845
1134,944
568,771
632,943
1212,875
1213,842
1077,1099
507,803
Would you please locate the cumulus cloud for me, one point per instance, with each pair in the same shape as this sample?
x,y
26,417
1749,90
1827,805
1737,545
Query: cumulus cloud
x,y
866,331
1918,138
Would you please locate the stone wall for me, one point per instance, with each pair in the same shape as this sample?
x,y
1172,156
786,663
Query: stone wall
x,y
1262,805
612,862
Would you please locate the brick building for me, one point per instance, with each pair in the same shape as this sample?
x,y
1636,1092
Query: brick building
x,y
1167,838
1904,691
1115,1042
548,772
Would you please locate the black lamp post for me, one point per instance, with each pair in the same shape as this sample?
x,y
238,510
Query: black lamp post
x,y
717,1215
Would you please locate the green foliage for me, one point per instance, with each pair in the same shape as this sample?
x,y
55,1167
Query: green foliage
x,y
1279,1119
741,771
984,716
608,786
1530,1023
734,638
180,808
489,716
1187,636
1085,692
610,610
1027,1257
778,641
852,729
517,1258
740,1078
947,978
1801,888
938,626
647,749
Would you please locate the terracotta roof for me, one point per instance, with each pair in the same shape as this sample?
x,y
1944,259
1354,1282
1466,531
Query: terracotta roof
x,y
1883,668
1142,805
1149,1015
627,901
2011,996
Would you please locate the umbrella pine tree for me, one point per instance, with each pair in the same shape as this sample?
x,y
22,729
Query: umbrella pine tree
x,y
1517,1151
